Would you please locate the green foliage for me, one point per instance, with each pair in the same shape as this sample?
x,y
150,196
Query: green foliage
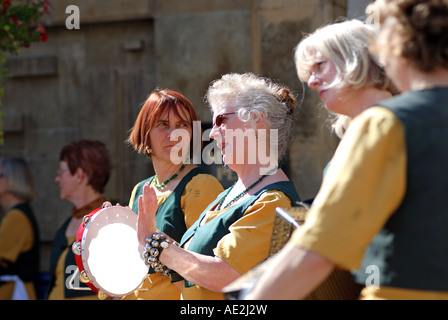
x,y
19,24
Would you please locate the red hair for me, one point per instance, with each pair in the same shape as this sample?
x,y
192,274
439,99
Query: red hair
x,y
92,157
158,103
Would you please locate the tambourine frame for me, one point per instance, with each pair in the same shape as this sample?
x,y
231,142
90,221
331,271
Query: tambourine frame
x,y
79,240
81,254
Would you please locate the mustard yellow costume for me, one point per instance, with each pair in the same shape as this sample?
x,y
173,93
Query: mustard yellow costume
x,y
356,202
240,234
63,263
17,238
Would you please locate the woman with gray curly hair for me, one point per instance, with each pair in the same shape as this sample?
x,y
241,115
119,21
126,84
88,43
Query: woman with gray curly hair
x,y
233,233
258,99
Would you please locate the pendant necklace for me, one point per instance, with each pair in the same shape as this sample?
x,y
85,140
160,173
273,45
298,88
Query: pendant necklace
x,y
218,207
164,183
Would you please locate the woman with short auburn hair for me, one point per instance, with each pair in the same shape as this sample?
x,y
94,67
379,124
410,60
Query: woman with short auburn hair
x,y
84,170
163,132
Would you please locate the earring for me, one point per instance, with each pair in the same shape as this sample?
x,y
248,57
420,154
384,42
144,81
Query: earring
x,y
148,152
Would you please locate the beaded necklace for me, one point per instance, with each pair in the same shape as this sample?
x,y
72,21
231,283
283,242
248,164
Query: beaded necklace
x,y
164,183
218,207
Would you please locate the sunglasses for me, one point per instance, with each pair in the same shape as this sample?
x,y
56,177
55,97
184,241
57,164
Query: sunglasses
x,y
220,118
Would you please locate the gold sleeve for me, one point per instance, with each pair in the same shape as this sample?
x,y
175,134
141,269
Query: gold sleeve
x,y
364,185
249,239
198,193
16,235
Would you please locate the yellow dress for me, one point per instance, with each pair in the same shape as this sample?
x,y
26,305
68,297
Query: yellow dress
x,y
247,244
16,236
59,287
356,200
58,290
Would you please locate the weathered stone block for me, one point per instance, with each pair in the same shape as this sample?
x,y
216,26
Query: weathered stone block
x,y
32,66
94,11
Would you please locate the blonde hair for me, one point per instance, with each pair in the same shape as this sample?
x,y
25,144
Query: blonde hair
x,y
20,180
346,44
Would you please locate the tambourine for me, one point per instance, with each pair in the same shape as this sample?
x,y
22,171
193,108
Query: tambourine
x,y
107,252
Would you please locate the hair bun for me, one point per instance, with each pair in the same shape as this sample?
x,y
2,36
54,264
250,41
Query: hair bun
x,y
287,98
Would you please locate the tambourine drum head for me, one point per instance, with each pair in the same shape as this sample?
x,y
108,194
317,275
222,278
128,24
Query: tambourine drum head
x,y
112,256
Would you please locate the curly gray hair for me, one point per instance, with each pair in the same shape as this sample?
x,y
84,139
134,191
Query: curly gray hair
x,y
252,96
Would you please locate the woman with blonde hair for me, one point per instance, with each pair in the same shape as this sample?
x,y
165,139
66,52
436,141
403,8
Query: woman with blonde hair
x,y
381,209
336,62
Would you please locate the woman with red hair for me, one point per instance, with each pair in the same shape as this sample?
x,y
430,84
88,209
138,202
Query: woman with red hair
x,y
84,170
163,132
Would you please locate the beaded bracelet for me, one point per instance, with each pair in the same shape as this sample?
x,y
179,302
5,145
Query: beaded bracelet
x,y
153,248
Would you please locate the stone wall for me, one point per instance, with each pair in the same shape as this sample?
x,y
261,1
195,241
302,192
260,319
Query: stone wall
x,y
90,82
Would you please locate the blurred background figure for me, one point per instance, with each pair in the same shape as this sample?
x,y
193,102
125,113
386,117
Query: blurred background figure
x,y
183,189
84,170
19,233
335,61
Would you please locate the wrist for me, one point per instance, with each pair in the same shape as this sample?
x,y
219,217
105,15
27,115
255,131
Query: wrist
x,y
154,246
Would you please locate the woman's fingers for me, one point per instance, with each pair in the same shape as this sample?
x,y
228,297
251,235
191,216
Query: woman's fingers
x,y
147,208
